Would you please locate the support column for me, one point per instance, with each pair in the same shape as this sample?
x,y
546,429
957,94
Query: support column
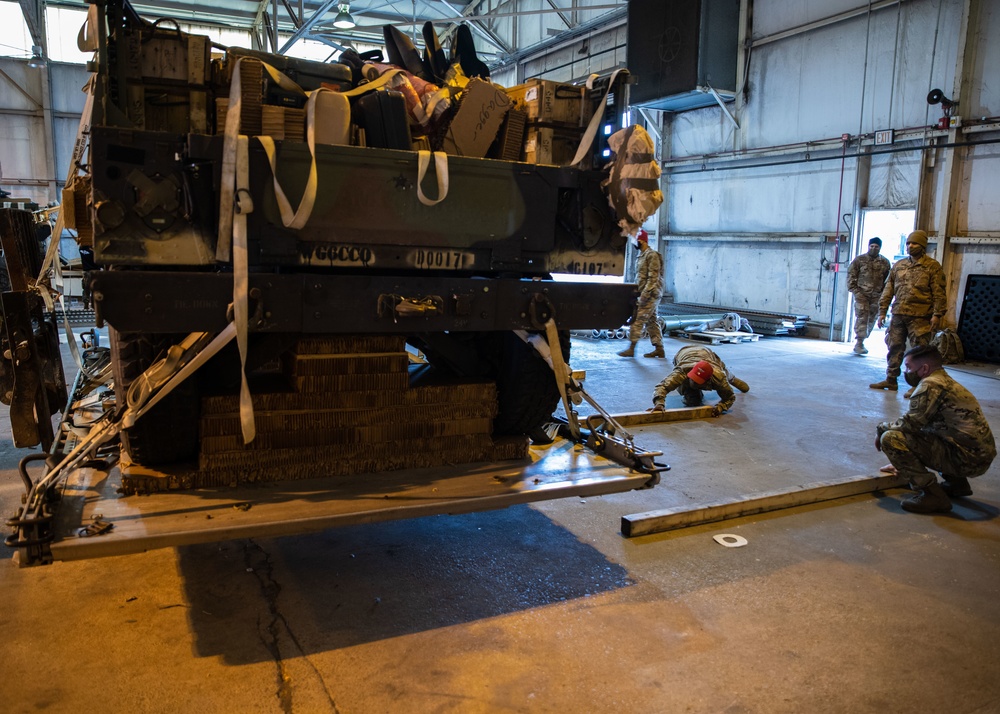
x,y
952,205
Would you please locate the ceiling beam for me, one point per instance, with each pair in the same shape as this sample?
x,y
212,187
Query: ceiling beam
x,y
481,29
559,11
34,18
307,26
467,11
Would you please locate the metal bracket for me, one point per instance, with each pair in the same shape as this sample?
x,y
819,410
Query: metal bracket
x,y
603,435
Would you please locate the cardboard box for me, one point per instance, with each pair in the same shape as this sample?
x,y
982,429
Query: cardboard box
x,y
551,145
548,102
478,120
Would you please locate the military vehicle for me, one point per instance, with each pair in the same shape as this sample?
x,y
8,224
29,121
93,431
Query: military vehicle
x,y
300,332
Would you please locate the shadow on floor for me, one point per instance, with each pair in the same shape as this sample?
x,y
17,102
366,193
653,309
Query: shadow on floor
x,y
361,584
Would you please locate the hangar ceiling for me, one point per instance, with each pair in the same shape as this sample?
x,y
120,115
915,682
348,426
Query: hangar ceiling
x,y
504,30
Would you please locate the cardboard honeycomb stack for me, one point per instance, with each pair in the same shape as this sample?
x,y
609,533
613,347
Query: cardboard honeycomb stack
x,y
352,409
283,123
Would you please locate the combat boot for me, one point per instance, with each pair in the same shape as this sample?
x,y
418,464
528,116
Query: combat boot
x,y
931,499
657,352
956,486
887,383
740,384
859,348
628,351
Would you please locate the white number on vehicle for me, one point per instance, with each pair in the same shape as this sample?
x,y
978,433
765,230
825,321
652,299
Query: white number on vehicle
x,y
441,259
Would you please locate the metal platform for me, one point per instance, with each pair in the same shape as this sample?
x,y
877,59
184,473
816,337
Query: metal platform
x,y
715,337
141,523
762,322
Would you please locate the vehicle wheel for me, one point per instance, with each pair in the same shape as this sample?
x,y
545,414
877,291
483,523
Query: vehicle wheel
x,y
168,432
527,393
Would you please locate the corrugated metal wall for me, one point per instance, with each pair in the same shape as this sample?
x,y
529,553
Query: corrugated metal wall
x,y
26,167
742,236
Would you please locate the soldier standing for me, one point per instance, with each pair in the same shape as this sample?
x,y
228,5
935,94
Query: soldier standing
x,y
916,290
944,430
866,278
649,286
697,369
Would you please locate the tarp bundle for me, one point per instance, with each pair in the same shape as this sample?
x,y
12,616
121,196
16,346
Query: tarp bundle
x,y
634,184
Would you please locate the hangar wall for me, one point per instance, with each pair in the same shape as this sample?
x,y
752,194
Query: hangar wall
x,y
27,168
748,209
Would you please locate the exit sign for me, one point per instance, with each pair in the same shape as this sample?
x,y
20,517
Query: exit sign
x,y
883,137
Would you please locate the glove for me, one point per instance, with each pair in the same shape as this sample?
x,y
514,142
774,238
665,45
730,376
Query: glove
x,y
657,407
717,410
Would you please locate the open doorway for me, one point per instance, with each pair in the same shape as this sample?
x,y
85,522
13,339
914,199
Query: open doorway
x,y
892,226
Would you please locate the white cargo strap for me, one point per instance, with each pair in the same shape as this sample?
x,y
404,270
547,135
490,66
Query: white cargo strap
x,y
223,246
298,217
440,167
235,204
51,260
241,280
551,352
227,190
105,430
379,81
562,373
595,121
86,38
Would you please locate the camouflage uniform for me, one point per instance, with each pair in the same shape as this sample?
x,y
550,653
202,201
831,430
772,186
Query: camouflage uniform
x,y
944,430
684,360
866,278
918,289
649,284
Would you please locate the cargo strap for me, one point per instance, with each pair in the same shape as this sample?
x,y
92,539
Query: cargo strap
x,y
51,261
607,437
298,217
241,280
440,168
564,375
105,430
236,204
86,38
595,121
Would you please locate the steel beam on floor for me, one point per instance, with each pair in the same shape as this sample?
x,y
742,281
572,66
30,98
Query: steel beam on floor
x,y
638,524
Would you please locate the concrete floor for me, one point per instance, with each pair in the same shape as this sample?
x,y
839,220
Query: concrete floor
x,y
849,606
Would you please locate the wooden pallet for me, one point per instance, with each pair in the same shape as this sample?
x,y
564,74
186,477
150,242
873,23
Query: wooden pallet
x,y
715,337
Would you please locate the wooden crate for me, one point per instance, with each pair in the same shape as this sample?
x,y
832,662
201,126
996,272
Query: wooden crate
x,y
554,103
551,145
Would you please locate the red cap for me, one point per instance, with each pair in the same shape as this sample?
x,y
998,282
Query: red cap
x,y
642,236
701,372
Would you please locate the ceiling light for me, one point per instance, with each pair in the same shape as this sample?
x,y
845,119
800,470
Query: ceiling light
x,y
37,60
344,21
